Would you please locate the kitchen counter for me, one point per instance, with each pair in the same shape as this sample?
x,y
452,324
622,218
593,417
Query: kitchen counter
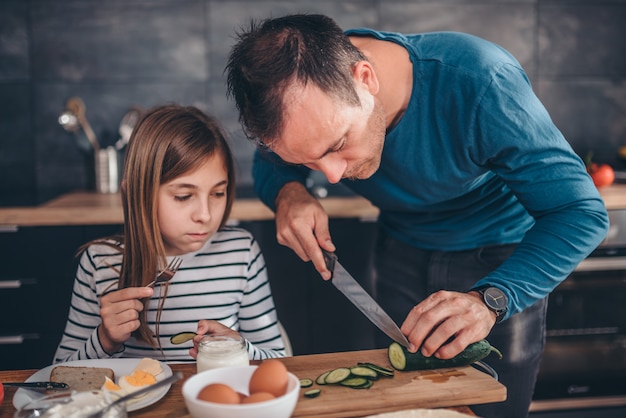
x,y
451,389
90,208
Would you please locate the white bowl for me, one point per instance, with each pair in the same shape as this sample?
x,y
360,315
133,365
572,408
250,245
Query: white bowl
x,y
238,379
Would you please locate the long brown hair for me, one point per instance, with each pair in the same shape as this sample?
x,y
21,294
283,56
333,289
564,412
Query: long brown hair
x,y
168,141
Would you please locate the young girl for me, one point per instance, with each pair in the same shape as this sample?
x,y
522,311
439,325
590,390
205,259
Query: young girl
x,y
177,194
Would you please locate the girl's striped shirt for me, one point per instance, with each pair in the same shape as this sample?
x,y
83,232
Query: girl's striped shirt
x,y
225,281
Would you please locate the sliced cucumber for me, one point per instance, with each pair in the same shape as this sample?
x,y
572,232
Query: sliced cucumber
x,y
363,371
382,371
313,393
357,382
182,337
306,383
337,375
321,379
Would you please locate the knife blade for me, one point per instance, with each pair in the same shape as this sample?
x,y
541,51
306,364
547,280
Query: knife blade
x,y
39,385
347,285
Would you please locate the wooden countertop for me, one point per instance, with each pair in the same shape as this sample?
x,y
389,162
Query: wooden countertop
x,y
456,396
90,208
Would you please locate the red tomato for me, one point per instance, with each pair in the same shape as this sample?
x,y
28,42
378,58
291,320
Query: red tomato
x,y
601,174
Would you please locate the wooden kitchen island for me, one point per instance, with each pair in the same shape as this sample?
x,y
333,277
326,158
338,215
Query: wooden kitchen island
x,y
452,389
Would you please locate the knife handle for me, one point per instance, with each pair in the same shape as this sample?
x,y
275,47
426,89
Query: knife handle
x,y
330,259
39,385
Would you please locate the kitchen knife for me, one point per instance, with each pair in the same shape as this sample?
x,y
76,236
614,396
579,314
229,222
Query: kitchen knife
x,y
362,300
39,385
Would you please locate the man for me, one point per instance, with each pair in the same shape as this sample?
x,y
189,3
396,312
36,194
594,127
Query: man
x,y
484,207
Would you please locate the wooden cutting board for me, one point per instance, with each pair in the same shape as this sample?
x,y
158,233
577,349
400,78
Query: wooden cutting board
x,y
406,390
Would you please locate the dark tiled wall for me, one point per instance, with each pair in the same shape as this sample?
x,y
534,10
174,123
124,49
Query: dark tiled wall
x,y
118,53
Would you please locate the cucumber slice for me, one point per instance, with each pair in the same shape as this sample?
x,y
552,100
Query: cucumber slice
x,y
363,371
357,382
382,371
182,337
337,375
306,383
313,393
321,379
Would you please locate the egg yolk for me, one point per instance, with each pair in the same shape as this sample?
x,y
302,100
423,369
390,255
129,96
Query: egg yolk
x,y
140,378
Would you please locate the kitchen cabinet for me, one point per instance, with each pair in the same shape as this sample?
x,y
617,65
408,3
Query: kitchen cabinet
x,y
36,280
318,318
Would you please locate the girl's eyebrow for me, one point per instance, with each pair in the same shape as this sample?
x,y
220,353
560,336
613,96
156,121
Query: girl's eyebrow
x,y
193,186
183,186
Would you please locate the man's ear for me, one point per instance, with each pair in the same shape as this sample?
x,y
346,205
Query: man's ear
x,y
364,74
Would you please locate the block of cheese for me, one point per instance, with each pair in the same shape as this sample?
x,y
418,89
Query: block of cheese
x,y
81,378
150,366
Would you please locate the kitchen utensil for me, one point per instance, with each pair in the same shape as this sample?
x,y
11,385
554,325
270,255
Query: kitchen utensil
x,y
362,300
76,106
169,380
106,167
69,122
129,120
38,385
168,273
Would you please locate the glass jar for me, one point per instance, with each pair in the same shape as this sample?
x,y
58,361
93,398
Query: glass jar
x,y
221,351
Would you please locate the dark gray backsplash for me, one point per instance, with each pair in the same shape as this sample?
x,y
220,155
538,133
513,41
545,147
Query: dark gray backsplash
x,y
116,54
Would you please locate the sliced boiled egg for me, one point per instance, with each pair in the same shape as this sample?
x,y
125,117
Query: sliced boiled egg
x,y
136,380
111,386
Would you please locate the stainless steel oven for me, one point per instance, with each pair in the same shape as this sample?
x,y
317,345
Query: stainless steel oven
x,y
584,363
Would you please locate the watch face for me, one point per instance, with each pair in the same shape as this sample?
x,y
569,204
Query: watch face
x,y
495,298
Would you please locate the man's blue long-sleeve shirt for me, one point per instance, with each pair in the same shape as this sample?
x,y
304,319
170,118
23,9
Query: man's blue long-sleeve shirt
x,y
475,161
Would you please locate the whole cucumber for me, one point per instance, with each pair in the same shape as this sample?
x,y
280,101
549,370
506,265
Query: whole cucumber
x,y
403,360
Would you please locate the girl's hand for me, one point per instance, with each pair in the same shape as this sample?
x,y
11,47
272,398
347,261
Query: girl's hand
x,y
119,311
210,327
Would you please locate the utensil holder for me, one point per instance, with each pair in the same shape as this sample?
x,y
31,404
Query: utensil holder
x,y
106,164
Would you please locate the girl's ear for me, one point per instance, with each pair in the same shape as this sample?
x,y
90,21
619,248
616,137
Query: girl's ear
x,y
364,74
123,186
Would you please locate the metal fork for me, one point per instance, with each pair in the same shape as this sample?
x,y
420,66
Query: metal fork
x,y
168,273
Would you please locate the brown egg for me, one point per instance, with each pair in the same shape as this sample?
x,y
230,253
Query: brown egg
x,y
241,397
218,393
270,376
258,397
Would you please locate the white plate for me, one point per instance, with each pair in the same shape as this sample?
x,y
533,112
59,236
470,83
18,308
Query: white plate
x,y
121,367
